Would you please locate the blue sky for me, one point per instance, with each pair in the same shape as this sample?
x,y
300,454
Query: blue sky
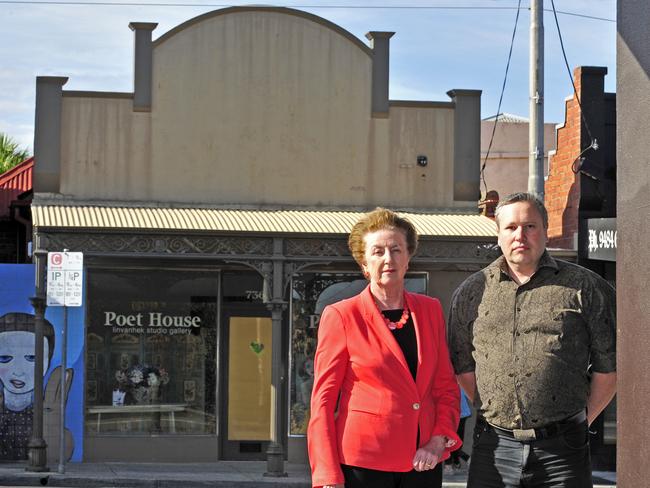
x,y
434,49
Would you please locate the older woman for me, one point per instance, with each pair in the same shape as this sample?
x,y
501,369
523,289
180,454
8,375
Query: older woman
x,y
382,356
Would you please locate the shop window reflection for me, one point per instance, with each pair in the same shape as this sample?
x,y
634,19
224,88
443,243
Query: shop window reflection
x,y
151,350
311,293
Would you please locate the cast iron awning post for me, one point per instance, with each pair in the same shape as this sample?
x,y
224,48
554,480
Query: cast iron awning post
x,y
37,457
277,305
37,447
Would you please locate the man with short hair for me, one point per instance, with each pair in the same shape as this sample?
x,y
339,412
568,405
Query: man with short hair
x,y
533,343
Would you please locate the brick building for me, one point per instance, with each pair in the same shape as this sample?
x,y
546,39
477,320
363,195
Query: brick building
x,y
581,177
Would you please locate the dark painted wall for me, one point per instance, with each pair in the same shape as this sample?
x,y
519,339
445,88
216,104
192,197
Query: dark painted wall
x,y
633,257
9,232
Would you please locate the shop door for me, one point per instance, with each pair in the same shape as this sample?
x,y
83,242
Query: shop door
x,y
246,363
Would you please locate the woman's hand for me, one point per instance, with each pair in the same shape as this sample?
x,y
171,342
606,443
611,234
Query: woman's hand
x,y
430,454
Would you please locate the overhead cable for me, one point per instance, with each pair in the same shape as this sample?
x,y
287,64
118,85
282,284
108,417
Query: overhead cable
x,y
307,6
503,89
575,167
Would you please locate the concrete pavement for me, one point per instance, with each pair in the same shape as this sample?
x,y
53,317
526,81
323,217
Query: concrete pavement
x,y
222,474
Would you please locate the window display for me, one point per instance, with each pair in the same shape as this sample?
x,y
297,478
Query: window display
x,y
151,352
311,293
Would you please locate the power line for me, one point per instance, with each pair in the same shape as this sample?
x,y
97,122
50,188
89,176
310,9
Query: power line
x,y
503,89
224,5
573,14
575,167
343,7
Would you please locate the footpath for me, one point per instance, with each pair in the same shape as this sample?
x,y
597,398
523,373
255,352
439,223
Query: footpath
x,y
222,474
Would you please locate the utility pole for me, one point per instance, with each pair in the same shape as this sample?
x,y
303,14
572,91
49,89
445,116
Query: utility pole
x,y
536,90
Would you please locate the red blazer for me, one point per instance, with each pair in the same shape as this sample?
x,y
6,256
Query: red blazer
x,y
380,406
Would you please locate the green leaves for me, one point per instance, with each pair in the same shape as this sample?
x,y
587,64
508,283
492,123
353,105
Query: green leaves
x,y
10,153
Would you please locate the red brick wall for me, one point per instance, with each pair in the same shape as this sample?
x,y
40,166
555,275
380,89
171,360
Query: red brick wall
x,y
562,186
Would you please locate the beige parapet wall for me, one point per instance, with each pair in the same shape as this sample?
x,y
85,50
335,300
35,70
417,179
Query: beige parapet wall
x,y
262,108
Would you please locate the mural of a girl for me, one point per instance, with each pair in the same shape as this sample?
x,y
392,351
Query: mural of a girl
x,y
17,355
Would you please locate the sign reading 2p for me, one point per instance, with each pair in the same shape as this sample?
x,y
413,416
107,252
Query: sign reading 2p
x,y
64,279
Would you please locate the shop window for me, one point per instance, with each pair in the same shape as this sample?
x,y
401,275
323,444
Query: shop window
x,y
151,351
311,293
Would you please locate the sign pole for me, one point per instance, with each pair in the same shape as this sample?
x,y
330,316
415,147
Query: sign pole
x,y
64,289
62,390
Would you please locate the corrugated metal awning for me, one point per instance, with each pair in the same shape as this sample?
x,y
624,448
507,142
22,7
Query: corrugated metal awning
x,y
13,182
264,221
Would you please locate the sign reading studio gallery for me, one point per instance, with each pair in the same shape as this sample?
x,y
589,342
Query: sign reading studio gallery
x,y
602,239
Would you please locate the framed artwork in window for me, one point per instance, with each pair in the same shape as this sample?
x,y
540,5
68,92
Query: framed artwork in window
x,y
189,390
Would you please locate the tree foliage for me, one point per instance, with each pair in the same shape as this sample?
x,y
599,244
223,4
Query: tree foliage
x,y
11,154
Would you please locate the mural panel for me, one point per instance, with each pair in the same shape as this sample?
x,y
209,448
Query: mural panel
x,y
17,354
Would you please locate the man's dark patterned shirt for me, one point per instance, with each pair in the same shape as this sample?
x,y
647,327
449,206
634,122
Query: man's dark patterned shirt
x,y
531,346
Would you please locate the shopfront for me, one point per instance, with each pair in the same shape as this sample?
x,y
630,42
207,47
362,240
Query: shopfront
x,y
208,262
170,355
180,344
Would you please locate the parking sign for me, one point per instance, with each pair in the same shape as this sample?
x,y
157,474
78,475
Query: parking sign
x,y
64,279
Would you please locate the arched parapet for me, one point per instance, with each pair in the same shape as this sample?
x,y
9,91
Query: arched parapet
x,y
281,10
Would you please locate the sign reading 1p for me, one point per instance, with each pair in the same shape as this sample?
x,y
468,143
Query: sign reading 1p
x,y
64,279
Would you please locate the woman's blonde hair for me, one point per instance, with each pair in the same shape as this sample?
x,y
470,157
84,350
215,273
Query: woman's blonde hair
x,y
380,219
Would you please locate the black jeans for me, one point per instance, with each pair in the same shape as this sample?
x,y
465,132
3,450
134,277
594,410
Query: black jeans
x,y
499,461
356,477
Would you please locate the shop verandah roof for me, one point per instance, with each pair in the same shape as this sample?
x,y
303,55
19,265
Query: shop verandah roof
x,y
247,221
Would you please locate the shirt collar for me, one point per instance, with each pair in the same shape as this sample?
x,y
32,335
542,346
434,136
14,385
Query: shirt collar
x,y
546,261
500,266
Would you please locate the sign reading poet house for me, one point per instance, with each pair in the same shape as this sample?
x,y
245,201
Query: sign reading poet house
x,y
151,323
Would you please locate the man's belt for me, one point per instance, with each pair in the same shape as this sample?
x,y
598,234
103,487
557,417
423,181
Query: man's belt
x,y
545,432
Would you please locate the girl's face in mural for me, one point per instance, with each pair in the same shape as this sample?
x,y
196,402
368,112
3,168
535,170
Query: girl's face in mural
x,y
17,350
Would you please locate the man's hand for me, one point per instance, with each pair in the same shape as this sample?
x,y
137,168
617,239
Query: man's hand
x,y
430,454
467,382
603,389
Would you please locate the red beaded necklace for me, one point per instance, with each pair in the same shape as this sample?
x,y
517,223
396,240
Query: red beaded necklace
x,y
400,323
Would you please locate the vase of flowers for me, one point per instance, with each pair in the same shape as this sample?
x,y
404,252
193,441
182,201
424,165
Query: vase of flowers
x,y
141,383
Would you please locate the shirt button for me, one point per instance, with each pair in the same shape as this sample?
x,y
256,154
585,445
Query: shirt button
x,y
416,406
